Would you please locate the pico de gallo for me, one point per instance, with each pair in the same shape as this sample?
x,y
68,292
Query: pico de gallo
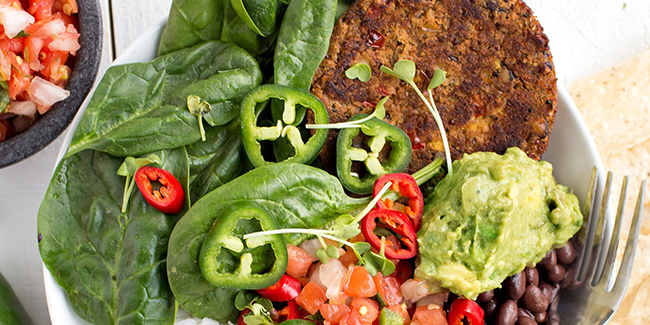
x,y
37,37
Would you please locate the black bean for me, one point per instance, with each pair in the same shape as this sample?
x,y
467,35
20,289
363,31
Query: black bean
x,y
490,308
507,313
566,254
526,321
523,312
549,260
549,290
568,278
556,273
516,285
485,296
532,276
534,299
540,317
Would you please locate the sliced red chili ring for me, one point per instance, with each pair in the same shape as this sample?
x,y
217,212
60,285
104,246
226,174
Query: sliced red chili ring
x,y
465,311
406,186
404,245
169,198
285,289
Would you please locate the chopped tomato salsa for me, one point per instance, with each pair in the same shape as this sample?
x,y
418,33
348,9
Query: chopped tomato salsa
x,y
36,39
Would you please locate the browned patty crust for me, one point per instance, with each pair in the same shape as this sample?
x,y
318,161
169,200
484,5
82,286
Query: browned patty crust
x,y
500,90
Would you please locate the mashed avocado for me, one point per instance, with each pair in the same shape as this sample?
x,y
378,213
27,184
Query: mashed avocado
x,y
497,214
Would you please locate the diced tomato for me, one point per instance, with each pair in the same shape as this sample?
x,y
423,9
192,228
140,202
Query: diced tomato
x,y
367,310
46,28
14,45
311,297
388,288
31,52
333,313
40,9
402,310
349,258
299,262
5,66
19,80
359,283
429,315
67,19
53,66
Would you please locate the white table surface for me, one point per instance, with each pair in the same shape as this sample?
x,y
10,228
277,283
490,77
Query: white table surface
x,y
586,36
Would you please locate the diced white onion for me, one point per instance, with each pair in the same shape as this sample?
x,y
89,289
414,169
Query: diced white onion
x,y
53,27
330,271
14,20
436,299
310,247
414,290
26,108
45,94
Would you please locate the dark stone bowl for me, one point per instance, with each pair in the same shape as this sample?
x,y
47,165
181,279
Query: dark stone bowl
x,y
52,124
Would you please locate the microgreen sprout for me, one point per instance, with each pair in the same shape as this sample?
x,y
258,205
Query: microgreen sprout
x,y
359,71
260,308
405,70
379,112
198,108
345,227
128,169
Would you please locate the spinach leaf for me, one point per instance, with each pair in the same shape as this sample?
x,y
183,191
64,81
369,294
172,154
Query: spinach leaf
x,y
303,41
111,264
217,160
192,22
142,107
259,15
296,195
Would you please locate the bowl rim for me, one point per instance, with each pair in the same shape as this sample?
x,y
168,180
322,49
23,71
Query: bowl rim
x,y
52,124
61,311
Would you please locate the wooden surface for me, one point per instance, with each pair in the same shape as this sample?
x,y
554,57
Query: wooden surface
x,y
586,37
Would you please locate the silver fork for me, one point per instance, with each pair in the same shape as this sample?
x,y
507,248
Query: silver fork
x,y
590,297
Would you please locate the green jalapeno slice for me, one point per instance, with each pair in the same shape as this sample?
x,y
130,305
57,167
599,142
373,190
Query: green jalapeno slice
x,y
285,126
228,261
376,135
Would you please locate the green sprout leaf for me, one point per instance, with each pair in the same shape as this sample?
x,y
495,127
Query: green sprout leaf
x,y
403,69
379,112
359,71
198,108
322,255
128,169
332,251
378,262
437,80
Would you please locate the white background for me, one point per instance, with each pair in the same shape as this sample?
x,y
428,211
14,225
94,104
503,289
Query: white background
x,y
585,37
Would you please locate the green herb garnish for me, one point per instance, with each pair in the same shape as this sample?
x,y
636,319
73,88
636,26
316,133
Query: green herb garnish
x,y
359,71
198,108
128,169
405,70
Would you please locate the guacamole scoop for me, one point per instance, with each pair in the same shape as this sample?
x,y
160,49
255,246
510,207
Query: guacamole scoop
x,y
493,217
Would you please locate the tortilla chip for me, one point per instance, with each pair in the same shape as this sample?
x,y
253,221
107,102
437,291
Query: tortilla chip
x,y
616,107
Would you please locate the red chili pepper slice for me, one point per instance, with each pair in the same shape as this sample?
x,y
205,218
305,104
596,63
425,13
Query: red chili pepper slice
x,y
285,289
291,311
406,186
465,309
402,246
240,319
169,198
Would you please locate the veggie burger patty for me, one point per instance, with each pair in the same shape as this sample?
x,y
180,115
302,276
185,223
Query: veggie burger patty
x,y
500,90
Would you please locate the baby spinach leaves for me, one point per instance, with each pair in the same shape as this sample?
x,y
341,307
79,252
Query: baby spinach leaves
x,y
141,107
303,41
298,196
111,264
259,15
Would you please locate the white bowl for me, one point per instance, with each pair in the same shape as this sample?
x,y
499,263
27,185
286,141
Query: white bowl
x,y
571,150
